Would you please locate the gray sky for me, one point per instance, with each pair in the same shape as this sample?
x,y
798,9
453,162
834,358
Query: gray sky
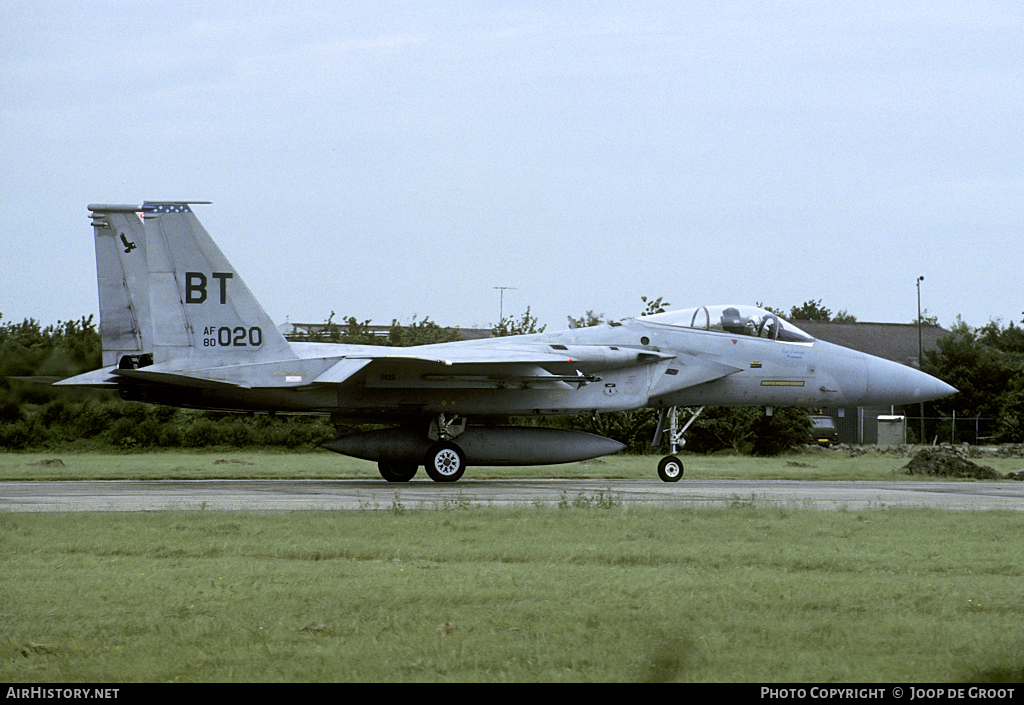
x,y
386,160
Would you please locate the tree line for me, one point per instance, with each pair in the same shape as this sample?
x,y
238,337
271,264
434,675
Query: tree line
x,y
37,416
986,364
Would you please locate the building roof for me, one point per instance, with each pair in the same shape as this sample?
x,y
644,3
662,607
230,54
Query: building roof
x,y
892,341
299,329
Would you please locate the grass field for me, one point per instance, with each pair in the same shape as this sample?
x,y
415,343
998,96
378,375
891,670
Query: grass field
x,y
812,464
585,593
589,591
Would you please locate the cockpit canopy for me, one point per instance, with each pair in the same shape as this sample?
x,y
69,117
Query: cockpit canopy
x,y
734,320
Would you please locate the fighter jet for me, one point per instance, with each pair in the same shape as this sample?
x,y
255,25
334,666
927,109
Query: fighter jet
x,y
181,328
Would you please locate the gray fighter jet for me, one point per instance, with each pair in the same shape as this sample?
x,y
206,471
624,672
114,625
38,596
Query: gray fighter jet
x,y
180,327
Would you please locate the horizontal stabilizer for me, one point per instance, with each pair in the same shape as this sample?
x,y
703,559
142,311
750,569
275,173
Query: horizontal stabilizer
x,y
38,379
97,379
179,380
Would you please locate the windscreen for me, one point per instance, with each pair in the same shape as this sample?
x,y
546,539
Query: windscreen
x,y
734,320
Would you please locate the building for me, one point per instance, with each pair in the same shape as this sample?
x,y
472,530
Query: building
x,y
299,331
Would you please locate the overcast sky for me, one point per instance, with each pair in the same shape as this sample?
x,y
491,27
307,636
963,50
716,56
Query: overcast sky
x,y
385,160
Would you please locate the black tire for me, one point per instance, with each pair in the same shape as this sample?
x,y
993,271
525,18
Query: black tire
x,y
397,471
670,469
445,462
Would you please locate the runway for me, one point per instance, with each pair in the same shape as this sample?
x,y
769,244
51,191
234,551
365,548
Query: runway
x,y
368,495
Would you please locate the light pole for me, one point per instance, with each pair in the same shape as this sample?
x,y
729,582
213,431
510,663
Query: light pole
x,y
920,351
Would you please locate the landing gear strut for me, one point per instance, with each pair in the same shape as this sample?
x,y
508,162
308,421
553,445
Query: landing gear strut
x,y
445,461
670,469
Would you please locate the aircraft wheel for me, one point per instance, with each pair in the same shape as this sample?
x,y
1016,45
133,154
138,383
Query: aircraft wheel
x,y
397,471
670,469
445,462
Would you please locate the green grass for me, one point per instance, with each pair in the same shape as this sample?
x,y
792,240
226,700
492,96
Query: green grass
x,y
588,592
812,464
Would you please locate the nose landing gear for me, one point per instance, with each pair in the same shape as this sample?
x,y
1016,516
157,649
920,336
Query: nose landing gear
x,y
670,469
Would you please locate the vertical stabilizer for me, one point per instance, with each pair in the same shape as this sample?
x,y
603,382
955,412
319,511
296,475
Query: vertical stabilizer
x,y
202,312
121,272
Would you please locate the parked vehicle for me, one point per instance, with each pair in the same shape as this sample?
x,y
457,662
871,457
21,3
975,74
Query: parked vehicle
x,y
823,431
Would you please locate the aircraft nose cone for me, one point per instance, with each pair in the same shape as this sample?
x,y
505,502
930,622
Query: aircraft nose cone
x,y
892,383
945,389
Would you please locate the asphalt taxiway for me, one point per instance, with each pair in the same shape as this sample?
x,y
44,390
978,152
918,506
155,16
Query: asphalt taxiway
x,y
354,495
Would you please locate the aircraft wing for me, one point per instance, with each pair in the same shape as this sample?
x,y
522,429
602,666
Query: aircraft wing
x,y
437,367
385,371
557,366
593,356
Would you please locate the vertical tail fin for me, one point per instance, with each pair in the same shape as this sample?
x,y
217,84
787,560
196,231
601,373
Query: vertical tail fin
x,y
201,310
122,274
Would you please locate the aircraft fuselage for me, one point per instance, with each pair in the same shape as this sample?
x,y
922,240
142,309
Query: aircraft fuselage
x,y
753,371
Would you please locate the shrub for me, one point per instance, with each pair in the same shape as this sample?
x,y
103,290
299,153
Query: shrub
x,y
201,432
15,436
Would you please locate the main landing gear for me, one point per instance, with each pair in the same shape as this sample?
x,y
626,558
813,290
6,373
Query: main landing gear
x,y
670,468
444,460
397,471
